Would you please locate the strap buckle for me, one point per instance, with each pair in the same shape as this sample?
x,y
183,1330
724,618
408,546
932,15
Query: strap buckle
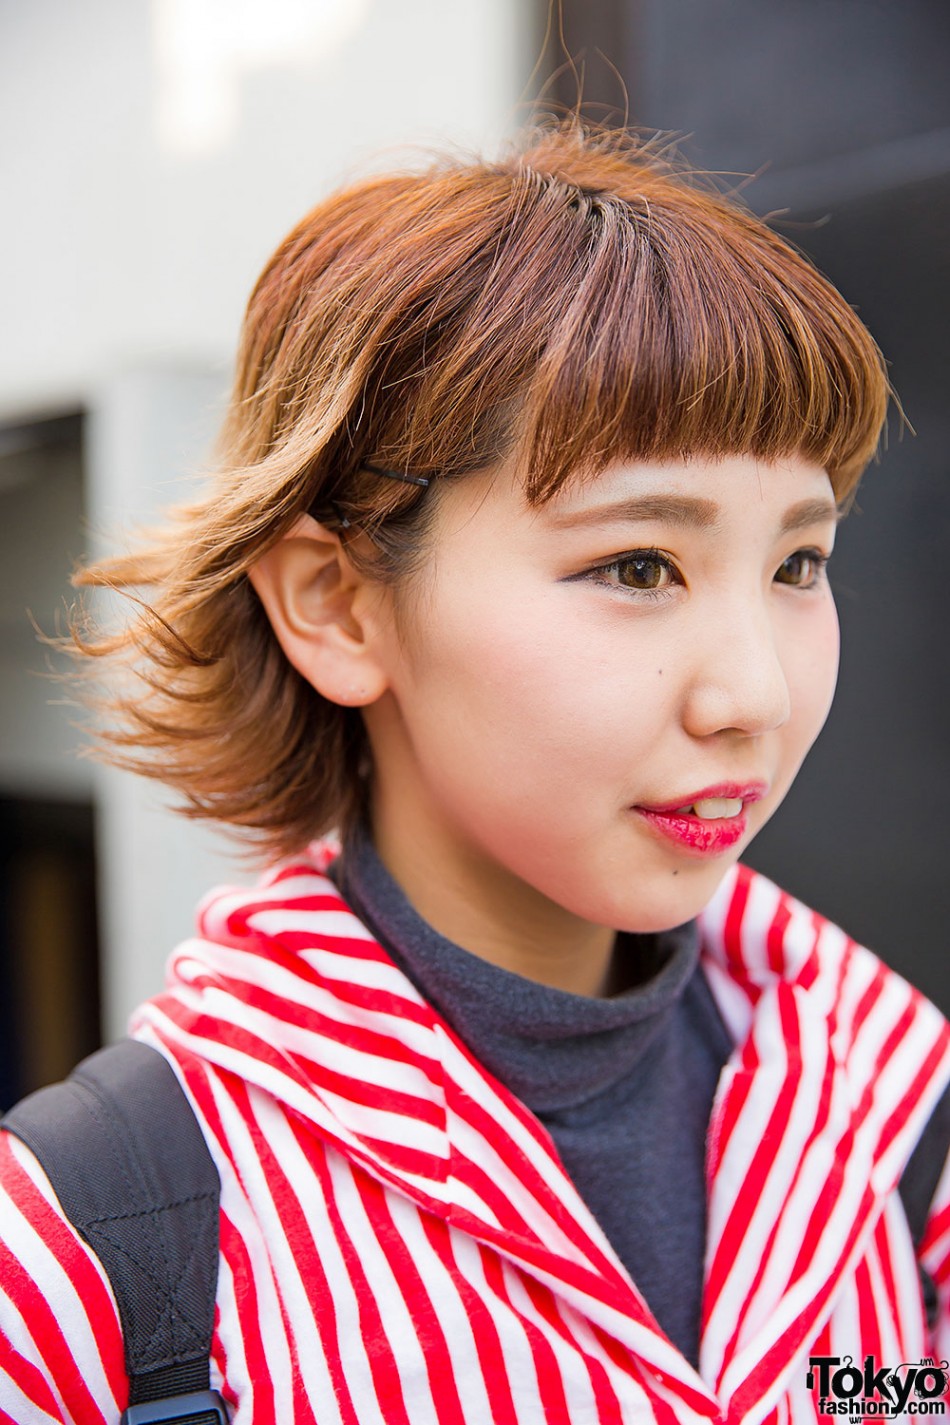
x,y
199,1407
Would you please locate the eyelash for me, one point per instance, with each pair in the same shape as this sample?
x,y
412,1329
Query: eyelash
x,y
818,560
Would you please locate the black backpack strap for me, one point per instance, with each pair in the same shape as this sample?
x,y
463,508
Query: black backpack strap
x,y
128,1161
919,1183
924,1167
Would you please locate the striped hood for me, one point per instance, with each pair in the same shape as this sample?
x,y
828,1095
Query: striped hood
x,y
293,1030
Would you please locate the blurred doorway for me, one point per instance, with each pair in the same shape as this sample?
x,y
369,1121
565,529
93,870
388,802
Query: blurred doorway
x,y
49,955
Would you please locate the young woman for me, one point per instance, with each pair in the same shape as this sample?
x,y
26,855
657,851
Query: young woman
x,y
530,1103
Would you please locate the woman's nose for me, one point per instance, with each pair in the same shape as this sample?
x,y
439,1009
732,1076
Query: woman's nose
x,y
739,682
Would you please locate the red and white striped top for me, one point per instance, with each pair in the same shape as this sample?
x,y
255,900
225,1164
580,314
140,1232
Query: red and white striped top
x,y
399,1242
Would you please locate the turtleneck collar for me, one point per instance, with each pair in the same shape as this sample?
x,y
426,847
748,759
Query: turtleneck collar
x,y
554,1050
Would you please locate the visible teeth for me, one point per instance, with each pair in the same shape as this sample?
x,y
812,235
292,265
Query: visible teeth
x,y
711,808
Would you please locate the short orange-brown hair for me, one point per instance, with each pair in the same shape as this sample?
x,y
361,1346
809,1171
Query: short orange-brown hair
x,y
579,301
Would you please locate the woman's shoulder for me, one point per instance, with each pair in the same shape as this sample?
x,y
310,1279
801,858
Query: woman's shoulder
x,y
60,1338
784,975
763,935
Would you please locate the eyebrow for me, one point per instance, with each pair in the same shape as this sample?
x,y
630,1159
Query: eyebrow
x,y
688,511
672,509
807,513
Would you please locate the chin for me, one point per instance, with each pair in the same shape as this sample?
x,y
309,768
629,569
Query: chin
x,y
649,903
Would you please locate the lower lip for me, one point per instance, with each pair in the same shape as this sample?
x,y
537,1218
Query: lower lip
x,y
693,834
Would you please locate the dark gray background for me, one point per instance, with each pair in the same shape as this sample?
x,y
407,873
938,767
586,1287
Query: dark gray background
x,y
842,107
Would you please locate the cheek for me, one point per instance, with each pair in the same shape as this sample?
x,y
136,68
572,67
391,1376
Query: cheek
x,y
517,687
520,698
813,674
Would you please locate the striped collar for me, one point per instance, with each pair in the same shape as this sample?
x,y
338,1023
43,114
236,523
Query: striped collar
x,y
837,1064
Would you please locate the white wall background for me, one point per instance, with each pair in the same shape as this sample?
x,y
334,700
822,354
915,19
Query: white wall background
x,y
152,153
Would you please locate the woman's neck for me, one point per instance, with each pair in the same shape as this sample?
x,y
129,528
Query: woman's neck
x,y
483,908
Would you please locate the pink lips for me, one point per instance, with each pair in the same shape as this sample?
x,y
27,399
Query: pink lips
x,y
694,834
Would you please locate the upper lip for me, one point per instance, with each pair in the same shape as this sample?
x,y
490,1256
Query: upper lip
x,y
742,791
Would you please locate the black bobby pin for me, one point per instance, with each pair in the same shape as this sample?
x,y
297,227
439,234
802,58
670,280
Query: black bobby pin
x,y
421,480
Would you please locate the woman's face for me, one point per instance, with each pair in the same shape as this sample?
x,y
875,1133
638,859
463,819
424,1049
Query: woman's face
x,y
593,705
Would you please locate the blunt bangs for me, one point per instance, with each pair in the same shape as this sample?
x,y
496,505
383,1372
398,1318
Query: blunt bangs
x,y
699,334
610,308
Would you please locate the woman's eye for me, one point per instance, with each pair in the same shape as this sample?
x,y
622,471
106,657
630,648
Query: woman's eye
x,y
801,569
644,571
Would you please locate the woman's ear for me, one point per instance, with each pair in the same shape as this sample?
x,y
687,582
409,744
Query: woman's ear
x,y
321,609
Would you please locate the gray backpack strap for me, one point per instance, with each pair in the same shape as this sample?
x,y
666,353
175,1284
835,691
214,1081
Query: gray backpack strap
x,y
128,1161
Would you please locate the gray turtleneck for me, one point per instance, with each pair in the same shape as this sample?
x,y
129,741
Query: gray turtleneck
x,y
623,1084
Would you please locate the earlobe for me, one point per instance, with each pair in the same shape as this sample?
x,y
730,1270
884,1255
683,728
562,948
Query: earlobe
x,y
315,600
